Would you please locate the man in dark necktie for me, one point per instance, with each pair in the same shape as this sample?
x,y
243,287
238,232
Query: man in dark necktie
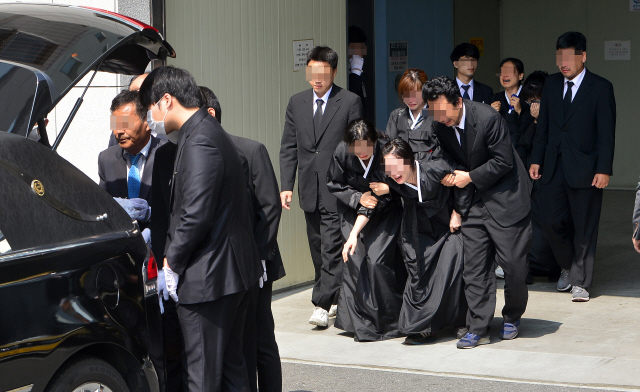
x,y
314,123
573,158
465,60
492,196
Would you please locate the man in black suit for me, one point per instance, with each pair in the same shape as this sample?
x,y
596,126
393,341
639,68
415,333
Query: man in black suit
x,y
573,158
493,197
211,258
260,347
125,170
314,123
465,60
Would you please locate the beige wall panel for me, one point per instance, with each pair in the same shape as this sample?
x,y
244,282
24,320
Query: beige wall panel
x,y
530,30
480,19
243,51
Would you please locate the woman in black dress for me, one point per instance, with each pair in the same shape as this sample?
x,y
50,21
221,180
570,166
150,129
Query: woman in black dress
x,y
371,293
432,251
410,122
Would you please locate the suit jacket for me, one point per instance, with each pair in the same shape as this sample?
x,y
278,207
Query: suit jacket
x,y
160,197
265,198
210,241
421,139
112,170
497,174
481,92
300,150
585,138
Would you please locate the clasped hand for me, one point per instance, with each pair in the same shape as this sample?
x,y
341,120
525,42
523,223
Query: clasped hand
x,y
369,201
458,179
137,209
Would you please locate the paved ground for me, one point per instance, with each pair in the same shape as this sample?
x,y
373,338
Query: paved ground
x,y
594,344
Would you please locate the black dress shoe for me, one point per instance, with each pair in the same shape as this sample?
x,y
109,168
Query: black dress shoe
x,y
420,338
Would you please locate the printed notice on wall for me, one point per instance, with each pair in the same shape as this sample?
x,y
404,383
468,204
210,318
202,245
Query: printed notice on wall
x,y
617,50
634,5
398,56
300,50
479,42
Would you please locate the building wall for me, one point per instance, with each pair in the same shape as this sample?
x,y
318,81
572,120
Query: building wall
x,y
480,19
427,25
243,51
536,27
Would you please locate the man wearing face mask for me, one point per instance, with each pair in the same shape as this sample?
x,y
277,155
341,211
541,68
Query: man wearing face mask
x,y
125,169
314,124
211,258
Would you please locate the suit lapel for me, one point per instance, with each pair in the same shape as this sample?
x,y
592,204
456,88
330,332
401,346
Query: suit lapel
x,y
583,91
308,116
186,130
120,173
448,136
469,131
145,181
332,107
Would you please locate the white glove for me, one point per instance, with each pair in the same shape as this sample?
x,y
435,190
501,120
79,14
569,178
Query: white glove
x,y
263,278
162,290
171,278
146,234
356,63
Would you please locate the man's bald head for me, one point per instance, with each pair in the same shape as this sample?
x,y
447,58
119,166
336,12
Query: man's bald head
x,y
137,82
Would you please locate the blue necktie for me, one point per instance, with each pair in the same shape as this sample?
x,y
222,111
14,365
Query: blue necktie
x,y
133,180
466,87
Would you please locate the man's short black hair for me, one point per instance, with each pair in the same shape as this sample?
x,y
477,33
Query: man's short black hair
x,y
357,35
170,80
209,100
441,86
324,54
465,49
127,97
572,39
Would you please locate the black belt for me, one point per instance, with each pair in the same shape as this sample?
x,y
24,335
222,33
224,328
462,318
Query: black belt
x,y
38,188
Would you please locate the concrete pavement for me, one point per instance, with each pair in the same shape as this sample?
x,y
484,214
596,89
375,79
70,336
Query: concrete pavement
x,y
593,344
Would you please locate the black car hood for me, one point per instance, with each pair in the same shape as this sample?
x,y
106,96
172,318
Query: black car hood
x,y
45,50
45,200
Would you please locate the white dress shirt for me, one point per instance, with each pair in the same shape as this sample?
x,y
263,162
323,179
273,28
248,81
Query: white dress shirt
x,y
325,98
470,91
141,161
417,188
461,125
577,81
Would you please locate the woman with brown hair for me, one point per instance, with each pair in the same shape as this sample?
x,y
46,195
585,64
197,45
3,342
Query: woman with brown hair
x,y
411,122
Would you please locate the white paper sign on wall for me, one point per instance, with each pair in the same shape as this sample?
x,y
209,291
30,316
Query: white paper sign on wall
x,y
300,50
634,5
398,56
617,50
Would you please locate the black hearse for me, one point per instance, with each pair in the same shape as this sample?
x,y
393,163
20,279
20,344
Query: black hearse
x,y
78,301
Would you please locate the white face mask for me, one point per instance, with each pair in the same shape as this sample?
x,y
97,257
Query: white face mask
x,y
158,126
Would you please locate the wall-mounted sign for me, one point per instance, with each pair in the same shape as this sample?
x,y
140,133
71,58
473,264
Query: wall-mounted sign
x,y
617,50
300,50
398,56
634,5
479,42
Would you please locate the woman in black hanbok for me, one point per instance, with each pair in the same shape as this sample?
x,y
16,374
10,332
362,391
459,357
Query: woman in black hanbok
x,y
371,295
433,253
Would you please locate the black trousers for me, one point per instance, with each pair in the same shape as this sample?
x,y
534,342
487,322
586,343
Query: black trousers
x,y
485,241
259,346
325,244
570,219
173,349
213,333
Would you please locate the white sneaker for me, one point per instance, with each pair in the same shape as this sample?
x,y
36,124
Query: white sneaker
x,y
320,317
333,311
